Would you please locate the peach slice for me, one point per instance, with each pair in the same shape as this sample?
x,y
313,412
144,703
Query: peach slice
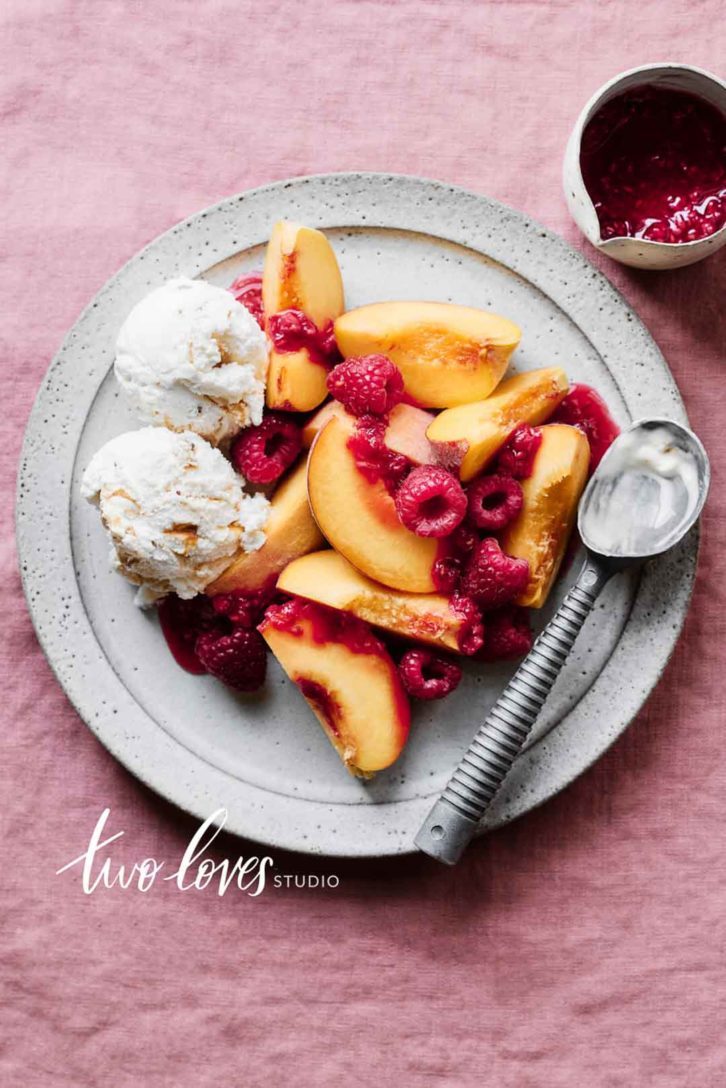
x,y
406,432
348,679
466,438
358,517
301,273
447,354
291,531
330,579
551,494
317,421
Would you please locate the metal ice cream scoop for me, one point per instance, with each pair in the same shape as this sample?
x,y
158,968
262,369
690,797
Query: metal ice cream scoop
x,y
645,495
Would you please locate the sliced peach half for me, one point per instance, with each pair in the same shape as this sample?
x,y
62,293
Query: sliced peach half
x,y
467,438
348,679
331,580
300,273
541,531
447,354
358,517
290,532
406,431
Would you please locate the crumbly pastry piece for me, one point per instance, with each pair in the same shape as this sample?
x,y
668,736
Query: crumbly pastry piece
x,y
190,357
175,510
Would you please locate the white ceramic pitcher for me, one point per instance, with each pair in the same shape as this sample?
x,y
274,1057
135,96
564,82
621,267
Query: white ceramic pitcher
x,y
639,252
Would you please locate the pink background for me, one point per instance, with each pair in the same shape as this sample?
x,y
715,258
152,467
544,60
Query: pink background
x,y
583,945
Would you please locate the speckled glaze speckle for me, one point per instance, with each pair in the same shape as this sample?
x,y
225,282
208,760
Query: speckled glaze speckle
x,y
265,758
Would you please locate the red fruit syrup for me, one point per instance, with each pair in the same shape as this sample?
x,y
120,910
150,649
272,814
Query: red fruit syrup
x,y
584,408
654,163
292,330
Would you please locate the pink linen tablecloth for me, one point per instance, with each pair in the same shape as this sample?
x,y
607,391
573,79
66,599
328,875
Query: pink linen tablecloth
x,y
583,945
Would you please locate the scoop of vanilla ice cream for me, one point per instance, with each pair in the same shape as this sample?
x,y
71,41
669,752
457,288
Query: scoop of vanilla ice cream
x,y
174,508
191,357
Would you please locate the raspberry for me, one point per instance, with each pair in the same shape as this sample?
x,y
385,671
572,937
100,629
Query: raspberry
x,y
248,291
372,456
261,454
508,634
494,501
367,385
430,501
471,634
327,343
327,625
463,540
244,608
493,578
446,572
291,330
453,553
239,659
516,458
426,675
181,623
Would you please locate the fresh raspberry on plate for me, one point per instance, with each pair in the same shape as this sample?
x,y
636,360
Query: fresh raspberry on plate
x,y
291,330
327,343
372,456
507,634
248,291
239,659
430,501
463,540
493,578
446,571
426,675
261,454
516,457
367,385
471,633
454,551
494,501
244,608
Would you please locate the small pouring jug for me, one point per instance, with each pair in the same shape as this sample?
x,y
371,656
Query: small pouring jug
x,y
639,252
646,494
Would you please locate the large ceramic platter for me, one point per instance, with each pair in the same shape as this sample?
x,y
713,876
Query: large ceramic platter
x,y
265,758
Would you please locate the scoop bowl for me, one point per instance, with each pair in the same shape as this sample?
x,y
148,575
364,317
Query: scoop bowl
x,y
647,493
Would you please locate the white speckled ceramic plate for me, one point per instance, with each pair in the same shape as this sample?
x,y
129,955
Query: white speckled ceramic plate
x,y
265,758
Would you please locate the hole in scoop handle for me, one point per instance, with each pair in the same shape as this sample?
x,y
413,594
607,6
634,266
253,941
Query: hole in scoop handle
x,y
453,820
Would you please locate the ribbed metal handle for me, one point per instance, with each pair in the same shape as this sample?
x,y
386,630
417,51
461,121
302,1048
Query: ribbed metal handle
x,y
453,820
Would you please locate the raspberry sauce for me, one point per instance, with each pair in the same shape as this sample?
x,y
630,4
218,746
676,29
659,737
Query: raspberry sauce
x,y
516,458
373,459
326,625
248,291
654,163
181,624
585,409
321,699
292,330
